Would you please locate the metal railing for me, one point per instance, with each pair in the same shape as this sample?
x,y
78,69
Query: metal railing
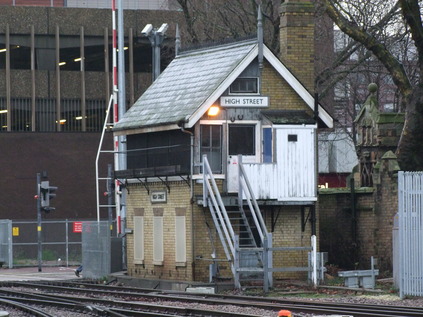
x,y
410,230
213,200
246,191
230,241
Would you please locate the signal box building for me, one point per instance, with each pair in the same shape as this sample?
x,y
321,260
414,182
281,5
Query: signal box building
x,y
221,152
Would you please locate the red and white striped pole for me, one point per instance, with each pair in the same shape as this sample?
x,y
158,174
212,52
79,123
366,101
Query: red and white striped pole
x,y
115,115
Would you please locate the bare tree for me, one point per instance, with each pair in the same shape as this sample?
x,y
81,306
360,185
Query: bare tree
x,y
382,37
214,20
379,25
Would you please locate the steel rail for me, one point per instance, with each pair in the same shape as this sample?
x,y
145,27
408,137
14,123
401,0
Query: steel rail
x,y
119,308
23,307
252,301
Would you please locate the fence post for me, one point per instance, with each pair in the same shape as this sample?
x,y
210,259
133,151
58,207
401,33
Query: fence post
x,y
401,235
236,262
67,242
265,265
10,243
314,259
270,258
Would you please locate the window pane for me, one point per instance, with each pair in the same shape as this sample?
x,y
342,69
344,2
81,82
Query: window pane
x,y
242,140
211,141
267,145
205,135
244,85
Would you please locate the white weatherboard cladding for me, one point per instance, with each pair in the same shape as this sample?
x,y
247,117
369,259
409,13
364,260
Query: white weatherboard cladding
x,y
297,164
263,180
293,176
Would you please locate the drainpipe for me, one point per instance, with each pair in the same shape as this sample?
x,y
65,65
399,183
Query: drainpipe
x,y
181,126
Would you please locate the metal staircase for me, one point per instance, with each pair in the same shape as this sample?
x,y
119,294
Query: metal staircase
x,y
243,233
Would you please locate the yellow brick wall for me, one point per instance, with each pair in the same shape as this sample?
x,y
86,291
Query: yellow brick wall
x,y
288,233
177,197
202,239
282,96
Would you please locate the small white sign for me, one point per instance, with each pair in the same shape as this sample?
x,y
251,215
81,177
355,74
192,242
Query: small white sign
x,y
158,196
250,101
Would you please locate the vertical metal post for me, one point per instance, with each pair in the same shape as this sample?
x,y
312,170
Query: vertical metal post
x,y
265,265
106,65
10,244
156,55
33,91
236,262
110,196
83,93
240,193
122,138
401,233
67,242
131,67
115,117
39,222
314,259
58,91
8,81
270,258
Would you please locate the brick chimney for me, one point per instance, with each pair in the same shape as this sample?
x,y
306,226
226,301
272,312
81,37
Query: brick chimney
x,y
297,39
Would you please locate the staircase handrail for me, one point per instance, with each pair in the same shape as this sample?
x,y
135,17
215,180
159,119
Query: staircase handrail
x,y
212,192
245,186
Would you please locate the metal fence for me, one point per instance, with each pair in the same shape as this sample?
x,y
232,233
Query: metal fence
x,y
102,254
409,242
60,240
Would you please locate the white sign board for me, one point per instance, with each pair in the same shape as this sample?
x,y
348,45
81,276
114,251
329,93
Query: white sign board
x,y
250,101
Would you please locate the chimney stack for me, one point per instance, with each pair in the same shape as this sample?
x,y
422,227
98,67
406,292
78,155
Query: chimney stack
x,y
297,39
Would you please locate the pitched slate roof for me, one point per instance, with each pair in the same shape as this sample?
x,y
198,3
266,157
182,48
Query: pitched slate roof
x,y
193,81
185,85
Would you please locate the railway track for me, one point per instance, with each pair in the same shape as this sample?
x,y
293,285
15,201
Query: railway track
x,y
126,300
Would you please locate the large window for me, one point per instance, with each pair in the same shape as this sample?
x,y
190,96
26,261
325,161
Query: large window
x,y
242,139
159,149
211,145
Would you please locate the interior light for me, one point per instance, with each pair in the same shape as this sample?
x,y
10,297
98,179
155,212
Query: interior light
x,y
2,50
77,59
3,111
62,63
213,111
62,121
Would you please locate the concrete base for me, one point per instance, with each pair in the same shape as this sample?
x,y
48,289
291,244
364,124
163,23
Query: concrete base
x,y
181,286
